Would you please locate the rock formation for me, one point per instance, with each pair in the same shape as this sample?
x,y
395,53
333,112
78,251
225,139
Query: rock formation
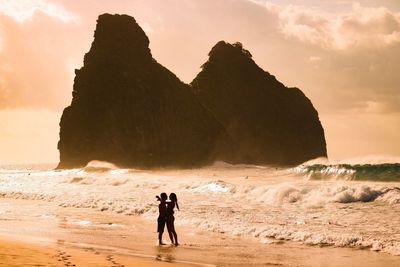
x,y
129,110
268,122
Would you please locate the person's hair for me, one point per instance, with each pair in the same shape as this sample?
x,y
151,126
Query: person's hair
x,y
174,198
164,196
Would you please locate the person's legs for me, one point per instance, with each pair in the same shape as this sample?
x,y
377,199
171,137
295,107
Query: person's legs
x,y
171,230
160,229
176,238
171,237
160,239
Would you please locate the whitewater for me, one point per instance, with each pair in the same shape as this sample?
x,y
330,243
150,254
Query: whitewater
x,y
344,205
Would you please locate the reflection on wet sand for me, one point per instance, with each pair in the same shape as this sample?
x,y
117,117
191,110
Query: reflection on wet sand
x,y
84,235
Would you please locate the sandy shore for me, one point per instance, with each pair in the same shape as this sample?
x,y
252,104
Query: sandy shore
x,y
25,253
37,233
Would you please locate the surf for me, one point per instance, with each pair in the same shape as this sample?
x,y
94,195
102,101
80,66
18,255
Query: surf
x,y
385,172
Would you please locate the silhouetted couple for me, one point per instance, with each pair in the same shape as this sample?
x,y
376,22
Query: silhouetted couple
x,y
166,216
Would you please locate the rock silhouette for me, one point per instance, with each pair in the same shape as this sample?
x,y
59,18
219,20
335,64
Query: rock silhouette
x,y
129,110
268,122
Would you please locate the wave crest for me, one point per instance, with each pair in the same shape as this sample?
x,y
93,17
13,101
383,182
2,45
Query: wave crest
x,y
385,172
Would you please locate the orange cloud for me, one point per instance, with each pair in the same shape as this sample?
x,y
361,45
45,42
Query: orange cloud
x,y
362,27
36,50
23,10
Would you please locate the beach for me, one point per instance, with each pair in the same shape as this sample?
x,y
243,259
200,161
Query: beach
x,y
266,132
15,252
37,233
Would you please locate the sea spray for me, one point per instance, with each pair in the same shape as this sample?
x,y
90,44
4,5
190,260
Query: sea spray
x,y
255,201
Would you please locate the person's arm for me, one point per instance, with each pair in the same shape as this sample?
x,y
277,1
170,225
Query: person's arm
x,y
158,198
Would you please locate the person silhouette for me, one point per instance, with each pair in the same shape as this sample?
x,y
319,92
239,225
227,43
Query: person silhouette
x,y
162,216
170,218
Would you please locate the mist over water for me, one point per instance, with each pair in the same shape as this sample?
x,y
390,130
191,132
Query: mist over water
x,y
351,205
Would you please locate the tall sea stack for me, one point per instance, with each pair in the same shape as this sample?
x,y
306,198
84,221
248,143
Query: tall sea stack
x,y
129,110
268,122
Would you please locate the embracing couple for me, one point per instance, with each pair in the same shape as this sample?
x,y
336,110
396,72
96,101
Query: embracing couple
x,y
166,216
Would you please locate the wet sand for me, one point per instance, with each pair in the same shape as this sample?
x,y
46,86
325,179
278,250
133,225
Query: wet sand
x,y
43,234
25,253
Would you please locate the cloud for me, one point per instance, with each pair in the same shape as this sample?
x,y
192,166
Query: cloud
x,y
34,60
351,56
147,28
30,30
315,58
24,10
362,27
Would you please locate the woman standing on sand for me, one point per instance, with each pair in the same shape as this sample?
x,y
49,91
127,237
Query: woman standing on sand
x,y
170,218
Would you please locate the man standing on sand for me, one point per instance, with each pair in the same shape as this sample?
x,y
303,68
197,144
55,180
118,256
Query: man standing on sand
x,y
162,216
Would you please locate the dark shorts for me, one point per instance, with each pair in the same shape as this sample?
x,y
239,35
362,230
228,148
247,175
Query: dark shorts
x,y
170,224
160,224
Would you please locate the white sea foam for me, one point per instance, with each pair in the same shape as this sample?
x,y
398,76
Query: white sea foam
x,y
265,203
84,222
216,187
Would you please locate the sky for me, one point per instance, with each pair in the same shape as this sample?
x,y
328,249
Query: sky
x,y
344,55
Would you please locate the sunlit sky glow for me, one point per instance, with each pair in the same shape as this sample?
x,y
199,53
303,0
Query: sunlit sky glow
x,y
344,55
23,10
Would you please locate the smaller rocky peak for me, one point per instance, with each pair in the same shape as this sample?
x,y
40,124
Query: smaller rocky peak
x,y
223,50
235,63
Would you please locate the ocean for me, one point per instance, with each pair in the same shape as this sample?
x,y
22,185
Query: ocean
x,y
345,204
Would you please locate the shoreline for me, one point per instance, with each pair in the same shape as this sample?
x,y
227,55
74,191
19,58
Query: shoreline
x,y
86,233
17,252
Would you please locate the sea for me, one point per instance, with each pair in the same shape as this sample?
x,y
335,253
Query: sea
x,y
344,204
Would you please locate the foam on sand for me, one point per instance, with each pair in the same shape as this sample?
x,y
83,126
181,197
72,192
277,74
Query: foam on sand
x,y
254,201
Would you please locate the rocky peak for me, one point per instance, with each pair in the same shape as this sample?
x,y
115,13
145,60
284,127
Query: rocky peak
x,y
120,39
268,122
129,110
223,50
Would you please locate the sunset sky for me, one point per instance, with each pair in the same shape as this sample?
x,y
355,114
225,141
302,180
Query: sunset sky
x,y
344,55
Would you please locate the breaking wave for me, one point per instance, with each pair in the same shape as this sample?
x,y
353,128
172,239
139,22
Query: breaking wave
x,y
385,172
351,205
